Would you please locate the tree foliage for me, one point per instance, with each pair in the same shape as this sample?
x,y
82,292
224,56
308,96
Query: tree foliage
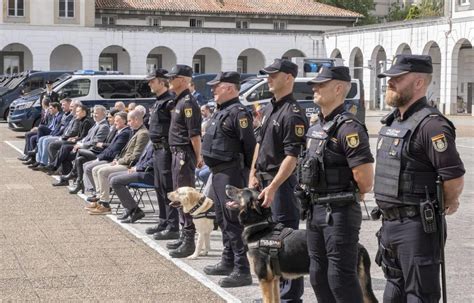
x,y
363,7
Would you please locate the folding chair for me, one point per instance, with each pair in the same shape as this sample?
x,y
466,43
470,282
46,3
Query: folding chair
x,y
139,190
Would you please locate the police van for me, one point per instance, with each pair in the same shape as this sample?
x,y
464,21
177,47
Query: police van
x,y
89,87
254,93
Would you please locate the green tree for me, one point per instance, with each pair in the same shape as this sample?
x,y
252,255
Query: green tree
x,y
363,7
396,13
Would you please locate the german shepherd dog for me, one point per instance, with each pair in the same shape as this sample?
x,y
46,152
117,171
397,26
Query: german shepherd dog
x,y
293,255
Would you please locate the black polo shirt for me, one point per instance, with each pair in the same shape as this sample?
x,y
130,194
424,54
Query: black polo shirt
x,y
357,155
185,120
284,126
447,163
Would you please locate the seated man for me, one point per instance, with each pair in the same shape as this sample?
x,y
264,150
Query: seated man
x,y
65,127
121,138
140,173
97,134
126,159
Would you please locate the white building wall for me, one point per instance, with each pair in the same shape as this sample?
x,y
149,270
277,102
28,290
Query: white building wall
x,y
41,12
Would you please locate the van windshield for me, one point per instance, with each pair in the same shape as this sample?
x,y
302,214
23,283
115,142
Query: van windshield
x,y
248,84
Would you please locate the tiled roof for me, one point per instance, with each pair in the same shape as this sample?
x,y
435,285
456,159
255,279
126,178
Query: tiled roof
x,y
259,7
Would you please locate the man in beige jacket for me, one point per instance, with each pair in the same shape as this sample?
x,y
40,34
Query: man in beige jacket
x,y
125,160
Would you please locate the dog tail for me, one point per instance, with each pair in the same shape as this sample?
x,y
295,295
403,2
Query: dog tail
x,y
365,279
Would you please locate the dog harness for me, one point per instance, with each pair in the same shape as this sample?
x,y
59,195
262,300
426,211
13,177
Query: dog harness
x,y
271,244
210,214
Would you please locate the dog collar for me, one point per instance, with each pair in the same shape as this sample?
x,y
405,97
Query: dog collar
x,y
199,204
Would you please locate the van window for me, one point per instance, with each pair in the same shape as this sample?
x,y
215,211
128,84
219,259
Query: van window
x,y
302,91
353,92
76,88
260,93
32,84
123,89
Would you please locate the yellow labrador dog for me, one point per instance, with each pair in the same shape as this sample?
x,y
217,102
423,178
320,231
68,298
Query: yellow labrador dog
x,y
200,208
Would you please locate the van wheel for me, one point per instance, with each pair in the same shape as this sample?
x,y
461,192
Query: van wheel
x,y
7,112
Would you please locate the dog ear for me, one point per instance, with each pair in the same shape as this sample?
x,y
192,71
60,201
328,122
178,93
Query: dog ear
x,y
232,192
257,206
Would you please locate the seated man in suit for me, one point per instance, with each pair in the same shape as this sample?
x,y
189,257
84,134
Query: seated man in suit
x,y
97,134
142,172
125,160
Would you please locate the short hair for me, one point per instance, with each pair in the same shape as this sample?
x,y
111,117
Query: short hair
x,y
119,103
113,111
83,108
100,108
77,102
136,114
122,115
56,105
68,100
141,109
46,101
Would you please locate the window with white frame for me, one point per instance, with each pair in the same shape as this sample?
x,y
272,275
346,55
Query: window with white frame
x,y
154,21
109,20
464,2
242,24
66,8
279,25
194,22
16,8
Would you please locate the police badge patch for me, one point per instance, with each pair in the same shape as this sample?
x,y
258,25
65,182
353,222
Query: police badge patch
x,y
440,143
353,140
188,112
244,122
299,130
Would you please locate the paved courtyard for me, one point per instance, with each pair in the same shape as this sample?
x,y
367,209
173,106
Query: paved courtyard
x,y
51,250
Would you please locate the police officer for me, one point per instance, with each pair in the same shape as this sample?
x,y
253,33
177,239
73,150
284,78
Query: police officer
x,y
185,144
227,149
278,145
416,145
336,170
160,119
50,93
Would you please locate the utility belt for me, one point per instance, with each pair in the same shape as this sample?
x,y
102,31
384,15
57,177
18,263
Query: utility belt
x,y
396,213
161,145
180,148
337,199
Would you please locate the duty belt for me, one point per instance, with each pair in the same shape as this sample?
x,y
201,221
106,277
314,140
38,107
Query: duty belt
x,y
179,148
161,145
397,213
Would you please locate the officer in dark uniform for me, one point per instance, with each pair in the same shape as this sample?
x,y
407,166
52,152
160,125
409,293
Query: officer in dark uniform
x,y
336,170
227,149
185,144
50,93
160,119
416,146
281,138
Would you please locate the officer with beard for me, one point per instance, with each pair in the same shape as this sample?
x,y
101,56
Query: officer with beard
x,y
416,147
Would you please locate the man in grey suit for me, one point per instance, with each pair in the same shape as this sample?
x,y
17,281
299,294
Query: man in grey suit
x,y
98,133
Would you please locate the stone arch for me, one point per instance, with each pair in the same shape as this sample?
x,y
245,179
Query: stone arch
x,y
65,57
356,63
434,90
160,57
207,60
378,63
403,49
114,57
336,53
14,58
293,53
462,78
250,61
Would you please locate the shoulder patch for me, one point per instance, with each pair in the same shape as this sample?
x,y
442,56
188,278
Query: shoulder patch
x,y
243,122
299,130
353,140
440,143
188,112
296,109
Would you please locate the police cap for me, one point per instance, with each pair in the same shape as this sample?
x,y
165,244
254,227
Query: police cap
x,y
157,73
331,73
404,64
49,81
180,70
281,65
229,77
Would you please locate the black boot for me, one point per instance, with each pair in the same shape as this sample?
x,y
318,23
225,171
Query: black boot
x,y
236,279
134,216
79,188
29,161
70,176
187,247
176,243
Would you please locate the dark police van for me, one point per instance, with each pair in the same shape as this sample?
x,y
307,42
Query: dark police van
x,y
89,87
23,83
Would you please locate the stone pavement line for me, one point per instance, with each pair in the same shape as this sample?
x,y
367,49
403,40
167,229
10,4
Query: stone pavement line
x,y
63,254
183,266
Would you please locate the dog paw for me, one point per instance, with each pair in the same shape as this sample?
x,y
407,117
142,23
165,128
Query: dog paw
x,y
204,253
192,257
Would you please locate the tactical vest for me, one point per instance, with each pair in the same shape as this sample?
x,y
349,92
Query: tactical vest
x,y
216,144
399,177
322,169
160,120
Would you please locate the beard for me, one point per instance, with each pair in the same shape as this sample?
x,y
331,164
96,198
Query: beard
x,y
392,98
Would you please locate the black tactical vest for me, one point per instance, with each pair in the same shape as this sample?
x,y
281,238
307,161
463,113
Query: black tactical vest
x,y
400,178
216,144
160,119
323,169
